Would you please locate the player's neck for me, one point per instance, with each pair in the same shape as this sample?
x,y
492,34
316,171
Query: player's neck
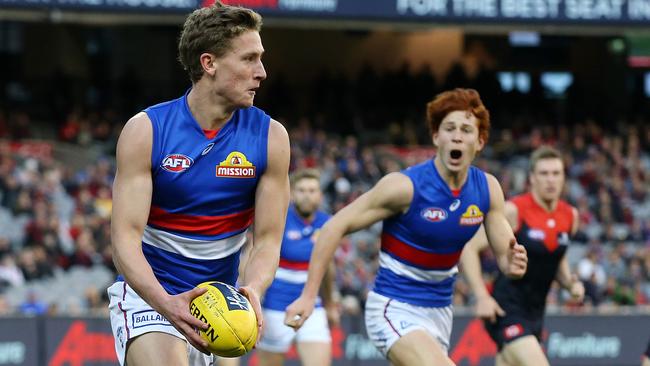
x,y
454,180
548,206
209,114
305,216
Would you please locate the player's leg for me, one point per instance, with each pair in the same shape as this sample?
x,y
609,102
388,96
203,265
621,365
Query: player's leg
x,y
157,348
266,358
418,348
407,334
147,336
313,340
499,361
276,339
524,351
222,361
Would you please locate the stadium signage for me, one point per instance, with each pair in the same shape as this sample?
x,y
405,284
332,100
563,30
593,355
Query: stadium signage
x,y
585,345
445,11
12,353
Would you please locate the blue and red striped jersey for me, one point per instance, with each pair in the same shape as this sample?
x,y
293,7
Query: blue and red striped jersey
x,y
203,196
420,248
297,245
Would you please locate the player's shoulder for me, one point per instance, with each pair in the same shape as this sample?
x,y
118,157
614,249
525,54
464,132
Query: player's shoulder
x,y
322,216
164,105
137,128
565,208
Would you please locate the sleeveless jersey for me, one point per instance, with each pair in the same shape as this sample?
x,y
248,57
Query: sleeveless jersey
x,y
420,249
203,194
546,236
297,245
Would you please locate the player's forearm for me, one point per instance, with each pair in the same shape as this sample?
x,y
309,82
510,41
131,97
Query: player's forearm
x,y
564,276
321,257
261,266
471,266
131,263
328,287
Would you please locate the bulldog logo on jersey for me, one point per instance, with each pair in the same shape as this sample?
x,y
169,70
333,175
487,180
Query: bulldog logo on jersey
x,y
176,163
236,166
472,216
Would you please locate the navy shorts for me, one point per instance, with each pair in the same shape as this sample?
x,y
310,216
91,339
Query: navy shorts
x,y
511,327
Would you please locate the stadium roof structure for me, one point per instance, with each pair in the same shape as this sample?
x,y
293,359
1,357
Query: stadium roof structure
x,y
541,15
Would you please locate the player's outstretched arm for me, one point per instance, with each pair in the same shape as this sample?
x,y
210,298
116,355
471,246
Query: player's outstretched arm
x,y
132,191
390,196
330,295
271,202
486,306
511,256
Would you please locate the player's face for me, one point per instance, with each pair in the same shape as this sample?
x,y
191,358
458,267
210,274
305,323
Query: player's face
x,y
547,179
306,195
458,140
240,71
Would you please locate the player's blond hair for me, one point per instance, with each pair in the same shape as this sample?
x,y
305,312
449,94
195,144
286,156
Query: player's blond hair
x,y
541,153
304,174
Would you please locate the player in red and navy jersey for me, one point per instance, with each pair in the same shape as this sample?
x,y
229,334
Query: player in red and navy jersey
x,y
193,175
429,211
544,224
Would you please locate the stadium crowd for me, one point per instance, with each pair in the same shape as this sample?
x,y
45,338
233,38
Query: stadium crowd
x,y
54,219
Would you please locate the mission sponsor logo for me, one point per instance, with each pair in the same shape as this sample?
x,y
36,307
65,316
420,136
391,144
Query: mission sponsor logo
x,y
176,163
472,216
434,214
236,166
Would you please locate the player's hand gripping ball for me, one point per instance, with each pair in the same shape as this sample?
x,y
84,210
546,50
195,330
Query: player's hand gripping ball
x,y
232,324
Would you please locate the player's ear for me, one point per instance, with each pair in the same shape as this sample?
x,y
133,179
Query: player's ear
x,y
481,143
434,138
209,63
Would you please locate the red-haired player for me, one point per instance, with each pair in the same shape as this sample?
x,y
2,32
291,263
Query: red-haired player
x,y
429,211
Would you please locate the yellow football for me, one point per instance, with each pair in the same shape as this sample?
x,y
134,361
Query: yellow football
x,y
232,324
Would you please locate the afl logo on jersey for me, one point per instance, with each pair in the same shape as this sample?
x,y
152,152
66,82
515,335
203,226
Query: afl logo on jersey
x,y
294,235
236,166
472,216
176,163
434,214
536,234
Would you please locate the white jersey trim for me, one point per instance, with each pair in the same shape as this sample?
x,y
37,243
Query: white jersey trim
x,y
193,248
414,273
291,276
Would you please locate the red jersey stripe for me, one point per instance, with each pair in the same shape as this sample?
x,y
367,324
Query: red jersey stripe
x,y
294,265
420,258
201,225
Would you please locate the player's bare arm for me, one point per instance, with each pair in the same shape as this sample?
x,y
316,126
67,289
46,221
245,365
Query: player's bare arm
x,y
511,256
390,196
564,277
132,190
330,295
271,202
486,306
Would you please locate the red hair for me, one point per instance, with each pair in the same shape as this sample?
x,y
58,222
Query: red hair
x,y
459,100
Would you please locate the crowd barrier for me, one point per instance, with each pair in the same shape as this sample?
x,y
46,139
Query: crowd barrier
x,y
579,340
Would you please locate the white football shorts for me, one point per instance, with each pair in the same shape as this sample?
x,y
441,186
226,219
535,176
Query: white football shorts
x,y
387,320
131,316
277,337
